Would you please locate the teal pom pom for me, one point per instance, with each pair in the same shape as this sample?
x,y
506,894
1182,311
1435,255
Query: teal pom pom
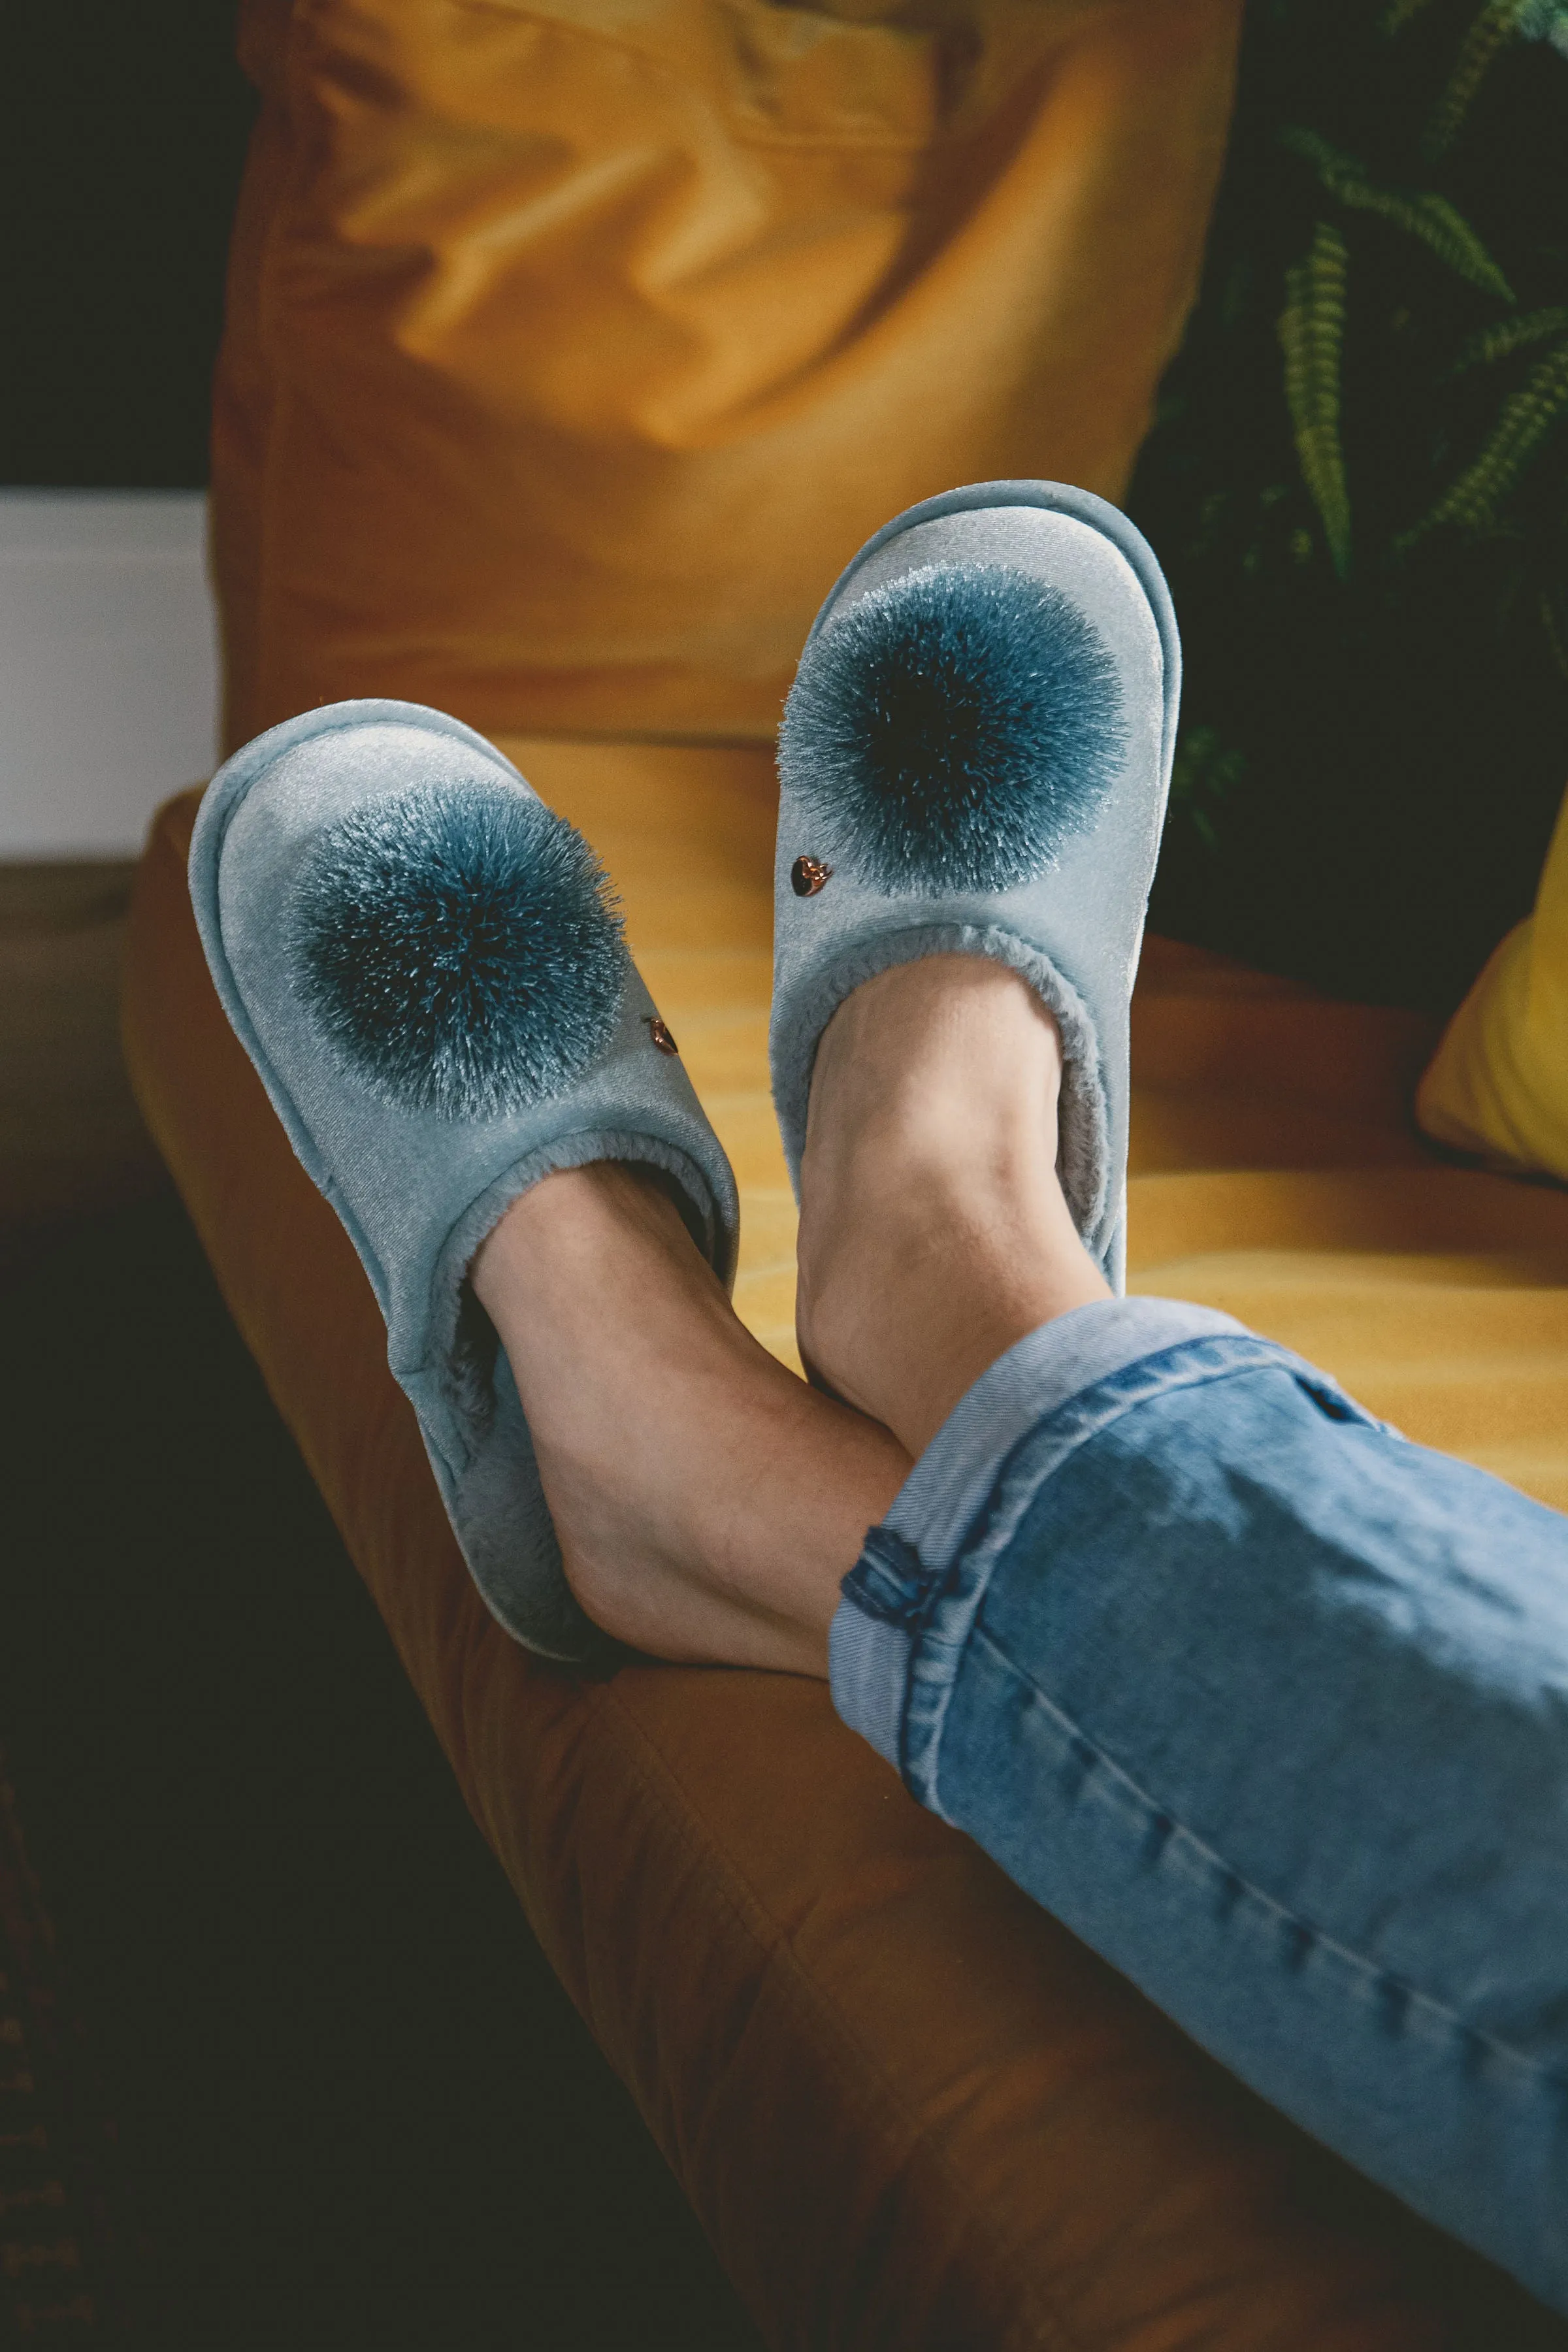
x,y
458,948
952,731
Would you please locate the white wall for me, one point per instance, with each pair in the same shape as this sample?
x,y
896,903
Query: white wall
x,y
108,666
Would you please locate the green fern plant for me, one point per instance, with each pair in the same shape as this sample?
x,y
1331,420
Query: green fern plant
x,y
1401,14
1360,489
1442,229
1473,502
1495,27
1499,342
1312,336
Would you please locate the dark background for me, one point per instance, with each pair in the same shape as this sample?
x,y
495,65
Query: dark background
x,y
348,2104
1372,748
122,133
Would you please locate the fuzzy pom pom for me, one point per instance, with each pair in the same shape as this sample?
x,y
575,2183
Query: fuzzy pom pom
x,y
953,729
458,948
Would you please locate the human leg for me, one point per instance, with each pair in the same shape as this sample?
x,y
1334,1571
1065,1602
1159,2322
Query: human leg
x,y
649,1526
419,959
1262,1701
1267,1704
708,1502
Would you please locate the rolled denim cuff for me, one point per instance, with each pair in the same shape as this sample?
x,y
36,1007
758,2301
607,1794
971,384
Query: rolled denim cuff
x,y
872,1639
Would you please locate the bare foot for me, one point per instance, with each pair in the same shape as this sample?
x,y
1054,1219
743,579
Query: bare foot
x,y
708,1502
933,1231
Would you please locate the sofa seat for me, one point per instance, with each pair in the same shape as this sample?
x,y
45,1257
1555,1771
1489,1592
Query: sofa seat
x,y
909,2110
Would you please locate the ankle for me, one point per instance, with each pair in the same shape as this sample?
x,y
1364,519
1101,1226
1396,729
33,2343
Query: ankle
x,y
559,1248
904,1304
934,1233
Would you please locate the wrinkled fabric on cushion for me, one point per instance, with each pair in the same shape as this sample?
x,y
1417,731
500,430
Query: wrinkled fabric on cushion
x,y
572,348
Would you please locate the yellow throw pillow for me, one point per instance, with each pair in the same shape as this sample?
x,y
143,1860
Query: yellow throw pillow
x,y
1498,1084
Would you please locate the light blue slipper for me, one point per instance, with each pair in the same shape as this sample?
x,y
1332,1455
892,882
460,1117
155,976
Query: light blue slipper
x,y
422,962
974,760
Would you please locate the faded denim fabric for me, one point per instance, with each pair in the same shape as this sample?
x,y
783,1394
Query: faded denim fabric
x,y
1271,1706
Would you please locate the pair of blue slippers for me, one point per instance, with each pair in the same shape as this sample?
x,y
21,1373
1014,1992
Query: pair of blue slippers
x,y
425,966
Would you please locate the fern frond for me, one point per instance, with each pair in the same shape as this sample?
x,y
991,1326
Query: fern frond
x,y
1432,219
1312,337
1474,501
1508,336
1493,29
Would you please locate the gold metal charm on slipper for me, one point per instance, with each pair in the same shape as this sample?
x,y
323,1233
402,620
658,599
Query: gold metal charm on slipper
x,y
659,1033
807,877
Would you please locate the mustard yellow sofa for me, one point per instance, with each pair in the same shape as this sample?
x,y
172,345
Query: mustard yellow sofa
x,y
570,349
909,2110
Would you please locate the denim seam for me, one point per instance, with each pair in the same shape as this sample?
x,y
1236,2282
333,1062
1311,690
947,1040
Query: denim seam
x,y
1199,1857
994,1521
864,1585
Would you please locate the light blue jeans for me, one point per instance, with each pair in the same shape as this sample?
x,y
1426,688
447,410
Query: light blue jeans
x,y
1271,1706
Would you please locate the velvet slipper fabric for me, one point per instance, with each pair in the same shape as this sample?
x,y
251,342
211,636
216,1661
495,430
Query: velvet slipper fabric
x,y
424,965
974,760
